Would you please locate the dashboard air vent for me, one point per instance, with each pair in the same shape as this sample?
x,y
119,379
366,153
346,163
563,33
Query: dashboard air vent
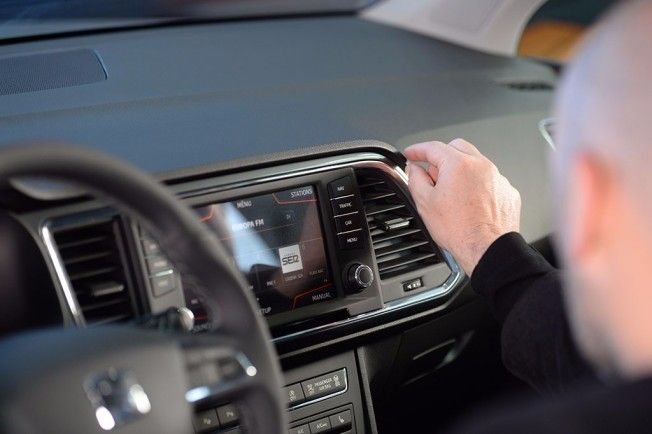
x,y
400,243
92,258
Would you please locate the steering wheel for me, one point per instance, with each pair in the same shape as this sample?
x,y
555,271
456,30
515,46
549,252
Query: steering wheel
x,y
131,380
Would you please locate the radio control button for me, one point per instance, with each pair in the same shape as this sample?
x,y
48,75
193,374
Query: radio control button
x,y
359,277
344,205
351,240
341,187
348,222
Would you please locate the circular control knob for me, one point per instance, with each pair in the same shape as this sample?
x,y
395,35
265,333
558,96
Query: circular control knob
x,y
359,277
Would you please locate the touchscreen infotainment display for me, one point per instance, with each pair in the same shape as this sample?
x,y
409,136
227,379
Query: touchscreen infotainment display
x,y
277,242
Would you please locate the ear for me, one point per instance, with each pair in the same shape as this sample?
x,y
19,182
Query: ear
x,y
590,194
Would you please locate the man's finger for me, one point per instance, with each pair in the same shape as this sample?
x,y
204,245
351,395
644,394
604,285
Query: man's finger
x,y
433,172
419,182
464,146
431,152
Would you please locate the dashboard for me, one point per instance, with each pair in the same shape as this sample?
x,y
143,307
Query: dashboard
x,y
326,245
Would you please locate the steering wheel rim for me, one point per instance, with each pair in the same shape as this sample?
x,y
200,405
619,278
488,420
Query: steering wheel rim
x,y
243,336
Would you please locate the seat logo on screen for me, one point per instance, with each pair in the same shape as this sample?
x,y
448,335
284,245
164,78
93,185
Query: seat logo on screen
x,y
290,258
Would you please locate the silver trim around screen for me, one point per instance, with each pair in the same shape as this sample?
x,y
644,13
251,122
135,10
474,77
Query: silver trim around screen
x,y
360,160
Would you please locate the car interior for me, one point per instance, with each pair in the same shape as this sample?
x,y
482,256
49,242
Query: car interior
x,y
205,224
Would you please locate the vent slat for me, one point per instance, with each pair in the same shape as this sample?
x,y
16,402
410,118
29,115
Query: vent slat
x,y
91,273
83,258
380,236
110,319
92,258
368,183
386,265
372,210
89,307
70,244
400,244
396,248
378,196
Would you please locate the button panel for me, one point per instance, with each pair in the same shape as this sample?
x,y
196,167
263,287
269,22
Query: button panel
x,y
336,421
223,419
163,278
324,385
349,218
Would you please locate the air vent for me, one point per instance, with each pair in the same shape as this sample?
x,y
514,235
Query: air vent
x,y
399,242
92,258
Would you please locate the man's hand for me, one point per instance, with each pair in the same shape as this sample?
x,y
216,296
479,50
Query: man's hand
x,y
464,201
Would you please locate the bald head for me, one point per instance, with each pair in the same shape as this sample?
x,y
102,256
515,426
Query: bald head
x,y
605,100
603,182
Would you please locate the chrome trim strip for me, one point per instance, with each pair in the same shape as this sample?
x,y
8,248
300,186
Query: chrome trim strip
x,y
62,274
361,160
344,215
314,401
545,128
350,232
341,197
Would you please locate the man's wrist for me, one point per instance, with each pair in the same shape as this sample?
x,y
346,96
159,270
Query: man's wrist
x,y
476,248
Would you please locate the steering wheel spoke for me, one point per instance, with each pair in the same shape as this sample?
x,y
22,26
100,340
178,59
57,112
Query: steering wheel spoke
x,y
218,373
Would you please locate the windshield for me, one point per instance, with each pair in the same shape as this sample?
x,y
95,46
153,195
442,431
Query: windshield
x,y
30,18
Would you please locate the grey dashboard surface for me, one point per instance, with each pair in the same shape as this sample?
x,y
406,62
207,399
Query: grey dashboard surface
x,y
177,97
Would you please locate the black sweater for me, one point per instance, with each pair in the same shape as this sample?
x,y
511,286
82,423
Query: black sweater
x,y
524,291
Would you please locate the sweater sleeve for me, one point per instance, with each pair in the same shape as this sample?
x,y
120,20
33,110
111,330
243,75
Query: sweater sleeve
x,y
525,293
